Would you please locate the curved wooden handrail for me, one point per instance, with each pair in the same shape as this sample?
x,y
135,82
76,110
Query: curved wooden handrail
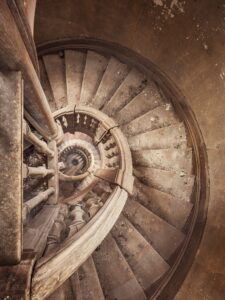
x,y
53,270
177,273
14,56
64,177
106,126
56,267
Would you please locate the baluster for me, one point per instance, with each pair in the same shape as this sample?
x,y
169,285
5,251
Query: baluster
x,y
78,118
85,119
40,145
93,205
32,203
36,172
78,219
59,226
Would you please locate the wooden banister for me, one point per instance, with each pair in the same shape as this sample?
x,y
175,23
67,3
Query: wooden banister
x,y
14,56
60,264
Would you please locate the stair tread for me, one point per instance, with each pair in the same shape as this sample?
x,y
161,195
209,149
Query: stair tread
x,y
147,265
163,237
132,85
173,136
68,291
147,100
55,68
74,62
58,294
46,86
64,292
111,80
159,117
75,285
89,281
167,207
165,159
179,185
117,279
95,67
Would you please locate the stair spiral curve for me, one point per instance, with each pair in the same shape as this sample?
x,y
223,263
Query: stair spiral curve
x,y
123,135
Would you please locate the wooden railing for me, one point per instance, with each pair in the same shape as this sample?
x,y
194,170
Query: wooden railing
x,y
42,171
21,94
62,260
113,146
14,56
53,264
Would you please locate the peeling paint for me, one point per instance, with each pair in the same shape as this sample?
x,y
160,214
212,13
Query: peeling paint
x,y
222,75
170,10
158,2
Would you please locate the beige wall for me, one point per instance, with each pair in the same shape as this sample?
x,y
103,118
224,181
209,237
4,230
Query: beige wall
x,y
186,40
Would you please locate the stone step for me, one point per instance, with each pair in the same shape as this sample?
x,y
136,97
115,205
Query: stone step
x,y
64,292
147,265
75,286
89,281
178,185
147,100
95,67
132,85
167,207
159,117
54,65
116,277
46,86
165,159
111,80
74,63
163,237
173,136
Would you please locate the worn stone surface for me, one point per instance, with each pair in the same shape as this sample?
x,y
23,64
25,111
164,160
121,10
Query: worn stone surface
x,y
147,265
74,65
114,74
117,278
186,40
89,281
162,236
11,115
55,69
94,69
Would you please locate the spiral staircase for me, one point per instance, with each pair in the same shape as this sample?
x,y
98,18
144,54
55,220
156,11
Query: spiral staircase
x,y
83,88
111,201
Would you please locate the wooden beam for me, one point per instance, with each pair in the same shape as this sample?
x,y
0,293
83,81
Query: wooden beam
x,y
14,56
30,7
11,116
40,145
19,12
